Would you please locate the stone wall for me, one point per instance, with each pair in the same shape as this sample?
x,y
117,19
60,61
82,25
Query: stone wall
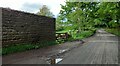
x,y
0,28
20,27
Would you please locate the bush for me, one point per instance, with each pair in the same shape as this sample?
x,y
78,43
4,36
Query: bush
x,y
84,34
113,24
81,35
114,31
60,41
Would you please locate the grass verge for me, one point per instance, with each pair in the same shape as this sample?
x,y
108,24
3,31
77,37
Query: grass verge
x,y
114,31
24,47
81,35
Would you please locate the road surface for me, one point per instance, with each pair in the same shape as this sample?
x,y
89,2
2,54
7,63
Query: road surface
x,y
101,49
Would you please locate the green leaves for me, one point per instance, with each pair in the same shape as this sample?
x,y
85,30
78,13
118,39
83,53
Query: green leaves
x,y
82,16
113,23
98,22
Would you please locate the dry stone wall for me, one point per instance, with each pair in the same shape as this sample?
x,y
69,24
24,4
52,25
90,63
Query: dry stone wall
x,y
21,27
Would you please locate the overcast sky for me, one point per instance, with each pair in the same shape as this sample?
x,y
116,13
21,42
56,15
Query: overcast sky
x,y
33,6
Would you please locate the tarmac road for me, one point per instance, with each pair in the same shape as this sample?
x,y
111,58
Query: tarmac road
x,y
101,49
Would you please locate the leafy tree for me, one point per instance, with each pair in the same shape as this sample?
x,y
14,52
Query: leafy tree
x,y
109,13
45,11
77,14
84,14
78,17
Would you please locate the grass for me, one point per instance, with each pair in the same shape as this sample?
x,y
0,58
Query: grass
x,y
114,31
63,31
24,47
83,34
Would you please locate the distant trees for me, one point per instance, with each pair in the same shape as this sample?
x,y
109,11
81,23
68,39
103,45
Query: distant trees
x,y
45,11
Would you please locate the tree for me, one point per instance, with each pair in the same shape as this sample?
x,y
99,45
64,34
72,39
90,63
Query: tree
x,y
109,13
87,15
45,11
78,15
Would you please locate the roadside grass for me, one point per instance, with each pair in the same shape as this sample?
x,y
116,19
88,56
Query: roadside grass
x,y
84,34
23,47
114,31
63,31
81,35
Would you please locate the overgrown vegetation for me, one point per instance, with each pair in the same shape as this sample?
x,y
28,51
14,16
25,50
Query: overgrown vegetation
x,y
24,47
115,31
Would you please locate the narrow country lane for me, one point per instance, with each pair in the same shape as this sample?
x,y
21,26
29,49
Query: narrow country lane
x,y
101,49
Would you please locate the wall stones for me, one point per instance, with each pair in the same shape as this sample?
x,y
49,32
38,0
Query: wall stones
x,y
20,27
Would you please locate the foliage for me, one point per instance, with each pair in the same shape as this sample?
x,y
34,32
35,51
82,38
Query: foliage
x,y
83,34
45,11
24,47
59,41
113,24
79,17
115,31
77,36
109,13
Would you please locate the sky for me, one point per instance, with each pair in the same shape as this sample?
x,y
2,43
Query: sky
x,y
33,6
